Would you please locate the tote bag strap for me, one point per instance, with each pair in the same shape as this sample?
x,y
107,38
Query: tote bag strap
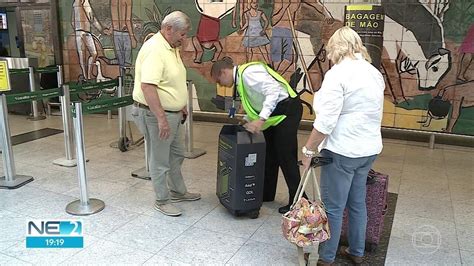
x,y
301,187
301,260
316,191
303,183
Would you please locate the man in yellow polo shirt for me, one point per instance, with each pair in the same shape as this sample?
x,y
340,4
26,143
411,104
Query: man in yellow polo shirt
x,y
160,96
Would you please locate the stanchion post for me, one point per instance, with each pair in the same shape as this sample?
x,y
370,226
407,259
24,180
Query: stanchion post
x,y
69,161
11,180
34,103
144,172
123,141
84,205
432,141
59,75
122,115
190,152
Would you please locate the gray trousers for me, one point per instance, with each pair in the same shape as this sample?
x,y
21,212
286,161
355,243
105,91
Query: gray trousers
x,y
165,157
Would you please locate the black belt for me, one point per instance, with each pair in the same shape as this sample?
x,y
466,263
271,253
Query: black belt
x,y
144,106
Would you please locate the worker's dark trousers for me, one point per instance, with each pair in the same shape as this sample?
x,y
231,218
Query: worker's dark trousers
x,y
282,150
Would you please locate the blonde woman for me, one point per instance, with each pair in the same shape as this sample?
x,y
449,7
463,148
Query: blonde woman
x,y
347,128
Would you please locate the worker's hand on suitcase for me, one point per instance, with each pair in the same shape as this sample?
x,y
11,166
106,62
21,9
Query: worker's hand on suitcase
x,y
254,126
242,122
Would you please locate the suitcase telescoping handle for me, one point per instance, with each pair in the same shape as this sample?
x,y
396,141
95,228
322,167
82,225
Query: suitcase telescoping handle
x,y
242,128
318,161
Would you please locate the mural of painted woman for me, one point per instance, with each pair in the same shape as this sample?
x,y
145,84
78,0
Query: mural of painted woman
x,y
83,18
255,36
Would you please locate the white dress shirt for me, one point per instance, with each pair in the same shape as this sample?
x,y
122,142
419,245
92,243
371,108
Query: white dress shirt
x,y
349,109
264,91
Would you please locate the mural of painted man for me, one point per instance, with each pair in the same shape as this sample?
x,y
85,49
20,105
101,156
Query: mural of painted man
x,y
284,14
122,29
83,18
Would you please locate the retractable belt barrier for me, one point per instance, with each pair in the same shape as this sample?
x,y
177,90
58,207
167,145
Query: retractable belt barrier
x,y
33,96
11,180
65,95
87,86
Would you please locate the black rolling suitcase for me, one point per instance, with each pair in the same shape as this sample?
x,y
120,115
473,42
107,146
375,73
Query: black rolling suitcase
x,y
240,170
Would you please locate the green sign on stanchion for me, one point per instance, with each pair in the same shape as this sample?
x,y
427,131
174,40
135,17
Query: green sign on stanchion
x,y
19,71
51,69
76,88
32,96
104,105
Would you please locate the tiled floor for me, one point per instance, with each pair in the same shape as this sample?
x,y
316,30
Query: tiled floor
x,y
435,202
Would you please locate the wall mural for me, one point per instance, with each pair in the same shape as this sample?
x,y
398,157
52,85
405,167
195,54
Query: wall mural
x,y
426,58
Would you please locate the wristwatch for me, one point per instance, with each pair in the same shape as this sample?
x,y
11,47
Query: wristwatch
x,y
308,153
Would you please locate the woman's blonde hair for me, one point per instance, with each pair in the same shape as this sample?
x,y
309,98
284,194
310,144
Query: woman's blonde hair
x,y
345,42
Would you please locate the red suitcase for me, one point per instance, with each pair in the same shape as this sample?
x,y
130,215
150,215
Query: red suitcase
x,y
376,200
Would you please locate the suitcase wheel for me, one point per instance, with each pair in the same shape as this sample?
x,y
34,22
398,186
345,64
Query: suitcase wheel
x,y
370,247
123,144
254,214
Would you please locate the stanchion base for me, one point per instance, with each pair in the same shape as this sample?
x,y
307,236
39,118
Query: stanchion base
x,y
194,154
141,173
38,118
77,208
66,163
17,182
122,144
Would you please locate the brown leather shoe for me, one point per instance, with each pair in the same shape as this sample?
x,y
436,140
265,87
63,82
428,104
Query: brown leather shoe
x,y
323,263
355,259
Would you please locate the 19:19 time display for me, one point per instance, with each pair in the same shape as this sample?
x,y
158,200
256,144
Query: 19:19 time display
x,y
54,242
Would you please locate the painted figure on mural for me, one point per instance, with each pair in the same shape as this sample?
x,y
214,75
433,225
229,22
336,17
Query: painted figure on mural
x,y
122,29
283,18
422,53
465,51
39,46
207,35
282,54
83,18
255,36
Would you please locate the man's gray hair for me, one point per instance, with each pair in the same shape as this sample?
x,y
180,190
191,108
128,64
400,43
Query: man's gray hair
x,y
177,20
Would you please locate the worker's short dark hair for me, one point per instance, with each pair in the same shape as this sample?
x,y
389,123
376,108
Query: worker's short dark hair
x,y
219,65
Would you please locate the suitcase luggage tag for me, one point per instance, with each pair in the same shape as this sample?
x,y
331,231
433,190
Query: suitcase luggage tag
x,y
232,110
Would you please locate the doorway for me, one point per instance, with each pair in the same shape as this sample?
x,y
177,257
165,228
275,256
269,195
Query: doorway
x,y
26,30
10,45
